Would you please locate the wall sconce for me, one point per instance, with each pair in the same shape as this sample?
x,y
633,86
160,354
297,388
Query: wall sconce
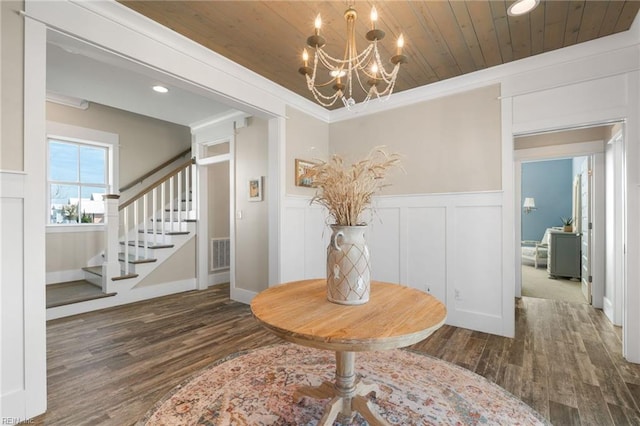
x,y
529,205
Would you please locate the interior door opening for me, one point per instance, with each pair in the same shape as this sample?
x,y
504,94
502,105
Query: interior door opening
x,y
216,188
588,166
551,230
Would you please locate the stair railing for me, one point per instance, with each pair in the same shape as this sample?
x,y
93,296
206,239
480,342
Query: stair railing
x,y
150,173
159,209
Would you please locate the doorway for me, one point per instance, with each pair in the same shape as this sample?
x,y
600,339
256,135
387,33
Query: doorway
x,y
551,190
216,183
593,194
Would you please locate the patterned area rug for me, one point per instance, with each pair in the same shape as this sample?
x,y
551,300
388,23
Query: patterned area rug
x,y
256,388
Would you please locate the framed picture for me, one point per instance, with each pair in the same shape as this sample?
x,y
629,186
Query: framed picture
x,y
303,177
255,189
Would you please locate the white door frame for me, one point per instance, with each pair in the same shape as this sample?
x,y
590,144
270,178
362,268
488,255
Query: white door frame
x,y
613,305
595,148
203,255
203,137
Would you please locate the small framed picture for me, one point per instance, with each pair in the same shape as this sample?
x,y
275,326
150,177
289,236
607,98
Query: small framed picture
x,y
303,175
255,189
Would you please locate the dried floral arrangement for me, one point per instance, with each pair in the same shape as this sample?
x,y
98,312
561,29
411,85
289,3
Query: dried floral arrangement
x,y
346,191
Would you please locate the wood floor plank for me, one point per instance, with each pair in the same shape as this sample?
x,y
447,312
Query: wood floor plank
x,y
634,390
561,389
454,347
591,405
560,414
623,415
472,353
492,358
109,367
536,395
512,379
539,367
585,370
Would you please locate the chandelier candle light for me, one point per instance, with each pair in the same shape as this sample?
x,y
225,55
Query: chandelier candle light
x,y
364,70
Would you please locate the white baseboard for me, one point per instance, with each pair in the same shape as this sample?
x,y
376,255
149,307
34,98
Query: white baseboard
x,y
55,277
219,278
133,295
242,296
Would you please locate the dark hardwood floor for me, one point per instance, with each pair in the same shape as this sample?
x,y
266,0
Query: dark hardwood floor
x,y
109,367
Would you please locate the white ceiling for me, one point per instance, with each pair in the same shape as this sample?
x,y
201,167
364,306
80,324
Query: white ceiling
x,y
79,70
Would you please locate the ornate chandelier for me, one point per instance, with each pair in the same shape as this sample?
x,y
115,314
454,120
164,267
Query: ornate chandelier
x,y
364,70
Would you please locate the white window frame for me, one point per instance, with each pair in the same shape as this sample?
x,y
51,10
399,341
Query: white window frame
x,y
69,133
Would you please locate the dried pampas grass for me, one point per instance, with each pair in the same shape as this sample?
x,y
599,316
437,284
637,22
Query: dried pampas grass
x,y
347,191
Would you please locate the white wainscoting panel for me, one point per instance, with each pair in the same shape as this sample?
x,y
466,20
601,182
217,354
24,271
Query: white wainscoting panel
x,y
12,279
383,240
11,294
304,240
475,274
425,250
438,243
293,242
317,236
441,243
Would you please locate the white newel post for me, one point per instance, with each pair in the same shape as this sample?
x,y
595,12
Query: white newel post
x,y
111,265
192,191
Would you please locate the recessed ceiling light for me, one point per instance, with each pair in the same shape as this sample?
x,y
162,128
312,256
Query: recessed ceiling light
x,y
520,7
160,89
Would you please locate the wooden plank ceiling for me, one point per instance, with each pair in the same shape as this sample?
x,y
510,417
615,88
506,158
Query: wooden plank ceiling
x,y
444,39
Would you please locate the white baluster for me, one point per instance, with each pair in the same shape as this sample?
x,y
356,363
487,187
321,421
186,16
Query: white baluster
x,y
194,183
136,238
144,226
180,200
125,224
162,208
187,191
171,195
154,210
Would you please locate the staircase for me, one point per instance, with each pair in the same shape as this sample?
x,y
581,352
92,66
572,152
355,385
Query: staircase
x,y
140,235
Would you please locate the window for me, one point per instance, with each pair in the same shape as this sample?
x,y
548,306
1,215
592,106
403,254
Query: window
x,y
82,166
78,178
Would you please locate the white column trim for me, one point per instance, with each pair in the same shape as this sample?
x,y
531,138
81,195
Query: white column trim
x,y
34,322
509,220
276,195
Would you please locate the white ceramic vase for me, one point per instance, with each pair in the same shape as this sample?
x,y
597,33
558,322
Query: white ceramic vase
x,y
348,268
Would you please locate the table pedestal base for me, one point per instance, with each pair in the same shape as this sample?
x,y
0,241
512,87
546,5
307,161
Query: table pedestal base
x,y
348,394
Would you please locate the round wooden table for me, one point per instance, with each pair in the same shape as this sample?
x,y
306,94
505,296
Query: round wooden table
x,y
395,317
